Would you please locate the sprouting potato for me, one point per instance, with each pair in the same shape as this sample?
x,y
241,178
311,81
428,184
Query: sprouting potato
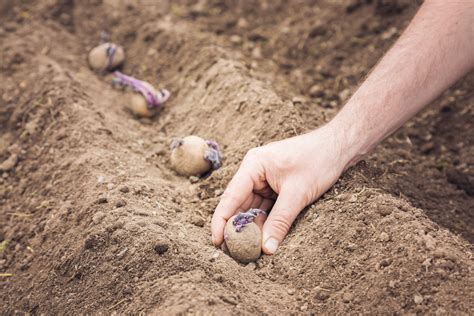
x,y
144,100
245,244
188,156
138,105
106,56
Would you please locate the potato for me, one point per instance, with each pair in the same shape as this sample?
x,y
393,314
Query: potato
x,y
138,105
107,56
187,156
245,245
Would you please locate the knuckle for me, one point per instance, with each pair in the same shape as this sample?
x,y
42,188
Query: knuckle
x,y
280,224
252,154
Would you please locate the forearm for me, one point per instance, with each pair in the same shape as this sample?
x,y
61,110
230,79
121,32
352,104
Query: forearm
x,y
434,52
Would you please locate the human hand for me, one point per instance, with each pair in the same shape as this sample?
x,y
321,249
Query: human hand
x,y
283,176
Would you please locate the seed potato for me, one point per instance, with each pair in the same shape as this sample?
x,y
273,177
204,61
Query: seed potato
x,y
244,246
187,158
99,60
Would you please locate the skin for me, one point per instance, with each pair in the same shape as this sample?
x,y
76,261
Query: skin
x,y
435,51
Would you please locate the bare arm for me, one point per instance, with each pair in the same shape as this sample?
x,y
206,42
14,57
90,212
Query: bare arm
x,y
434,52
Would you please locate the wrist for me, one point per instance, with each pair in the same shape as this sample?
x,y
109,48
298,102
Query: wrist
x,y
354,140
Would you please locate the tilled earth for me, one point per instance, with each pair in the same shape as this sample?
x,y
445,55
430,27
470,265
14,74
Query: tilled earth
x,y
94,220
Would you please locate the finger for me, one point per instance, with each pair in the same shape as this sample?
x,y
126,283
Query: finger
x,y
237,192
280,219
265,206
257,203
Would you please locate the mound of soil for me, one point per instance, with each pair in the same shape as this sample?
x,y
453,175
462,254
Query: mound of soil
x,y
93,219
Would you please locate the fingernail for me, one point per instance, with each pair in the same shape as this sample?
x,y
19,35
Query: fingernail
x,y
271,245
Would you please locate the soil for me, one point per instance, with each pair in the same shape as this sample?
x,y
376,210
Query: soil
x,y
93,219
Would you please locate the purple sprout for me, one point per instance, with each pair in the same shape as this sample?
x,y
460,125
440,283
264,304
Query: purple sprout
x,y
242,219
176,143
213,154
152,99
110,52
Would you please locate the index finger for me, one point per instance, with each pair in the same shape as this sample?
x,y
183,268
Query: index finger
x,y
237,192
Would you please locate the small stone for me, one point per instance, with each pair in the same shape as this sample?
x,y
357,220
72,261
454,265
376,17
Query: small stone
x,y
384,237
321,294
385,210
257,53
316,91
344,94
230,300
193,179
161,248
120,203
385,262
392,284
291,291
298,100
418,299
127,290
101,179
236,39
9,163
110,186
214,256
218,192
347,297
102,200
124,189
122,253
197,220
251,266
304,308
242,23
389,33
152,52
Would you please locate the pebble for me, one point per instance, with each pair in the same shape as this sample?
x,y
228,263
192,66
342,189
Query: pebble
x,y
242,23
101,179
384,237
251,266
291,291
110,186
298,100
161,247
214,256
124,189
347,297
316,91
321,294
9,163
236,39
344,94
122,253
257,53
385,262
102,200
197,220
193,179
418,299
120,203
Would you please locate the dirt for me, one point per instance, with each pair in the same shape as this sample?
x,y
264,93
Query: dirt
x,y
93,219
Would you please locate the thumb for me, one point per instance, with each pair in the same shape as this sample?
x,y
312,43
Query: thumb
x,y
286,208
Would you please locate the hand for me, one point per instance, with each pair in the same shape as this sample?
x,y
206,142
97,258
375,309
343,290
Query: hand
x,y
283,176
